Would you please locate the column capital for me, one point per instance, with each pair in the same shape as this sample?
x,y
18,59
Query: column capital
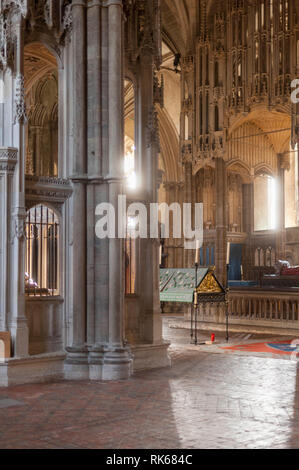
x,y
284,161
8,153
8,159
169,185
17,5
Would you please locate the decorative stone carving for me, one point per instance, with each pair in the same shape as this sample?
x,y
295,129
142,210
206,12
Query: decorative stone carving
x,y
67,20
20,5
186,153
218,93
20,104
159,90
187,105
153,136
144,18
8,159
8,154
20,228
46,189
6,42
188,64
284,161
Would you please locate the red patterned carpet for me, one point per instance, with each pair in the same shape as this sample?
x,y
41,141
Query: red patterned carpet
x,y
278,347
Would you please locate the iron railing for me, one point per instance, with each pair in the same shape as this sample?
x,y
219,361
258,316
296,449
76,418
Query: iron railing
x,y
42,252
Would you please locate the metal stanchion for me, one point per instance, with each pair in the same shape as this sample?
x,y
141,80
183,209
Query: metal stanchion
x,y
192,312
195,306
226,302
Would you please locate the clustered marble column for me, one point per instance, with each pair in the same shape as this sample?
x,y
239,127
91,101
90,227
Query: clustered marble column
x,y
12,209
77,353
98,350
150,330
18,323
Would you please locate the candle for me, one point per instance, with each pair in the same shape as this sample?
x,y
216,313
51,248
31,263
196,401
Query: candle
x,y
160,256
195,298
241,272
228,254
197,252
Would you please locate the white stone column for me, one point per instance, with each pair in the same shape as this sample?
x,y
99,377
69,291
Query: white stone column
x,y
76,366
97,304
117,359
151,350
18,322
8,161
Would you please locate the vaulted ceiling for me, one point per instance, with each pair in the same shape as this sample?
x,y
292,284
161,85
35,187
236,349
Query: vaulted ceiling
x,y
276,125
179,23
38,61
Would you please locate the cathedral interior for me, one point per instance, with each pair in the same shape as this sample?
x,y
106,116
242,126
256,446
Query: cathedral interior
x,y
163,101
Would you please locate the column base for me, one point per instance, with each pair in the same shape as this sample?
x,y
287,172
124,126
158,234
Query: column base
x,y
76,365
117,365
96,359
150,356
98,363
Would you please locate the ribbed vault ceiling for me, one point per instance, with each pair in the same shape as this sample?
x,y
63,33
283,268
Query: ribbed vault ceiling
x,y
38,61
179,23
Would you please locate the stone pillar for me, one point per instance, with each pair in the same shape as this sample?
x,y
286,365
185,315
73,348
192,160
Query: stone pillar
x,y
117,360
18,322
189,254
283,164
147,143
8,161
97,252
76,366
221,218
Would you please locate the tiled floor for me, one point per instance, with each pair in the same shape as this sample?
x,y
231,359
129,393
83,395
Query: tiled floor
x,y
205,400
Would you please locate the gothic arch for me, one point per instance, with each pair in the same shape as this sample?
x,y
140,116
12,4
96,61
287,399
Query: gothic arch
x,y
277,123
240,167
263,169
39,60
176,21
